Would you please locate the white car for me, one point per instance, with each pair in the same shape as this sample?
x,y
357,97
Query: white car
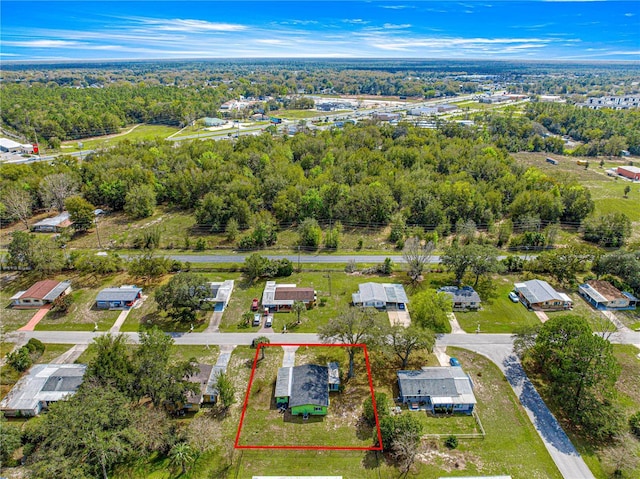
x,y
513,296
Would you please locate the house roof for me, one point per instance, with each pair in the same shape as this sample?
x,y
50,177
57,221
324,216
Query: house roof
x,y
44,382
309,385
602,290
123,293
58,220
46,290
466,294
444,385
283,382
202,378
631,169
334,373
380,293
294,294
538,291
221,290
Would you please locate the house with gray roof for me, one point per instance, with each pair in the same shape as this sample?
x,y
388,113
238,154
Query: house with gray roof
x,y
220,294
52,225
43,385
305,389
540,295
464,298
206,378
123,297
380,295
440,390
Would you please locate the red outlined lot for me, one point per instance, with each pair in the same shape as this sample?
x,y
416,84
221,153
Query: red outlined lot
x,y
237,444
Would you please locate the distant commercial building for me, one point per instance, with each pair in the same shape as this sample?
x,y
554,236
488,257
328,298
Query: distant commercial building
x,y
387,116
45,384
631,172
613,102
423,111
10,146
213,122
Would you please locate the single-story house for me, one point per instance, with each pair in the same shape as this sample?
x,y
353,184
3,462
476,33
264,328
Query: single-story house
x,y
305,389
280,297
604,296
206,378
631,172
52,225
41,293
463,298
43,385
437,389
123,297
220,294
540,295
380,295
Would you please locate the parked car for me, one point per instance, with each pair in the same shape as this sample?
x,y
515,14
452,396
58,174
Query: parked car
x,y
513,296
254,304
256,320
268,322
454,362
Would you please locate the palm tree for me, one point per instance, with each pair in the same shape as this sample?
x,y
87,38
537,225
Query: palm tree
x,y
182,455
298,307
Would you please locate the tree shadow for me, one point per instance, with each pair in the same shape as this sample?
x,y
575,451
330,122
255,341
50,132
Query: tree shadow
x,y
363,429
288,417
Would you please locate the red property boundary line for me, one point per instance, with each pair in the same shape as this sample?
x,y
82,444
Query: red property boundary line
x,y
237,444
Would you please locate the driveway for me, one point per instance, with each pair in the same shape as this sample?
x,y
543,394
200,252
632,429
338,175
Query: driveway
x,y
289,359
71,355
214,322
455,326
399,317
542,316
611,316
41,313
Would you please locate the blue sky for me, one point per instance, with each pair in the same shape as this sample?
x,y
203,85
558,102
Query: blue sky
x,y
471,29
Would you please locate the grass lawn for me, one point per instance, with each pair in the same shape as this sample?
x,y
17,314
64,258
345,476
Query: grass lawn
x,y
52,351
265,425
140,132
499,314
336,298
10,284
447,425
596,319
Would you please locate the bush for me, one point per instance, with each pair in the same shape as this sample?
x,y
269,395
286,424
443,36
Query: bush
x,y
351,267
62,304
451,442
382,406
36,345
634,424
201,244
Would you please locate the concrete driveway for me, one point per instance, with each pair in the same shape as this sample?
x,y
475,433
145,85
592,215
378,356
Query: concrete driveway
x,y
399,317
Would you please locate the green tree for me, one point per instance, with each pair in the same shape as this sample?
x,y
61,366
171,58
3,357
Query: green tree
x,y
353,326
91,263
429,310
565,263
310,234
45,256
393,427
20,359
184,291
183,456
10,440
255,266
247,317
140,201
484,260
149,267
457,259
56,188
402,342
298,307
20,249
154,376
80,212
226,390
608,230
382,407
111,365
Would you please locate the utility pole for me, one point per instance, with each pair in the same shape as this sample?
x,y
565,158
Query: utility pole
x,y
298,258
97,232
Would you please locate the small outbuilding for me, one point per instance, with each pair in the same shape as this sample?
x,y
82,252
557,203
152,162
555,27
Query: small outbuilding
x,y
52,225
123,297
603,296
465,298
41,293
439,390
43,385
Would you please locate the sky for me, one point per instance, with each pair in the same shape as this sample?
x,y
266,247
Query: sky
x,y
473,29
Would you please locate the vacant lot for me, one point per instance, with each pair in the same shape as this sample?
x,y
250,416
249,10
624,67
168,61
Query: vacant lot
x,y
131,133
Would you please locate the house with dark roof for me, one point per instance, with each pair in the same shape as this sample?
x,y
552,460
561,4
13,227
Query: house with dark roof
x,y
43,385
305,389
603,296
52,225
280,297
439,390
464,298
40,294
206,379
123,297
380,295
540,295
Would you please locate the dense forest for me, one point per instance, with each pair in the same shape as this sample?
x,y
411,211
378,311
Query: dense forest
x,y
367,175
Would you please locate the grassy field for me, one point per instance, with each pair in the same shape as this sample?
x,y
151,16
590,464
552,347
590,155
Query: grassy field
x,y
499,314
596,319
131,133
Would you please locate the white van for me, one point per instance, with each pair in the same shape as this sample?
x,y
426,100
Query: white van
x,y
268,322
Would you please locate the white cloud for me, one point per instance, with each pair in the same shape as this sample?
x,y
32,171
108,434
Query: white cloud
x,y
391,26
42,44
271,41
188,25
397,7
